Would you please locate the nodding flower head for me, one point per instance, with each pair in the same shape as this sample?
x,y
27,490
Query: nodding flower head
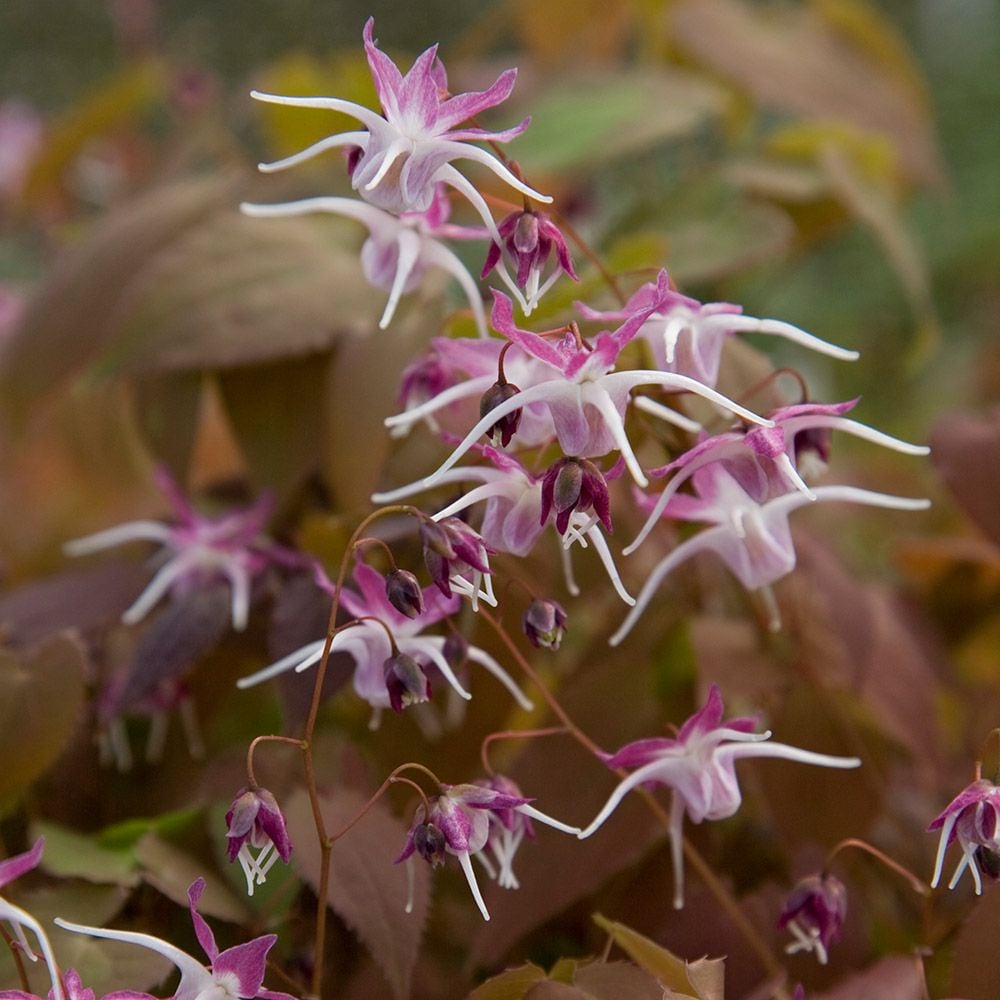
x,y
544,623
406,681
815,912
574,484
973,819
452,552
197,550
410,148
403,592
506,427
529,238
255,823
463,821
698,766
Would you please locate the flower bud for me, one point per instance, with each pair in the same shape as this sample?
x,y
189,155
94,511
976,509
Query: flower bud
x,y
544,623
506,427
574,484
406,682
404,593
255,818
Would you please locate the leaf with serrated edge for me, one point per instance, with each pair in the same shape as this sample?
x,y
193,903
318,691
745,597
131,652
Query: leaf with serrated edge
x,y
509,985
75,855
705,977
366,889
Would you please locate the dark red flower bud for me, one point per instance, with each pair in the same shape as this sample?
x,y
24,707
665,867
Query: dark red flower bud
x,y
544,624
406,682
574,484
430,843
450,547
815,912
404,593
506,427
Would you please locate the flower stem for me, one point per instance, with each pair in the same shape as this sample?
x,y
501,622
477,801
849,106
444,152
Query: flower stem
x,y
514,734
591,254
257,740
917,884
15,951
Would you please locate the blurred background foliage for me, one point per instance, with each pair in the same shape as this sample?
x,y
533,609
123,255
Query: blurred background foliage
x,y
830,162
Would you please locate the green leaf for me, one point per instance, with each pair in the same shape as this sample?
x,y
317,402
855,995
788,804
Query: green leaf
x,y
130,831
614,980
41,696
510,985
75,855
366,889
589,120
704,979
171,871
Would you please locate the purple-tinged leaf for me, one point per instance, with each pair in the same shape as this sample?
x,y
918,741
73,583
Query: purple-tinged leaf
x,y
366,889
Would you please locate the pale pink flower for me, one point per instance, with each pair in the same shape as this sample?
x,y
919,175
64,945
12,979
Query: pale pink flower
x,y
698,766
973,819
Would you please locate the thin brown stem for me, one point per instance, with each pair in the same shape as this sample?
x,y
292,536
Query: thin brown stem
x,y
372,540
15,950
591,254
917,884
514,734
392,779
257,740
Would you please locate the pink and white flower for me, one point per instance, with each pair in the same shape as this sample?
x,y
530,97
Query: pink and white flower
x,y
698,766
399,249
770,461
973,819
368,644
409,149
234,974
584,396
687,336
196,550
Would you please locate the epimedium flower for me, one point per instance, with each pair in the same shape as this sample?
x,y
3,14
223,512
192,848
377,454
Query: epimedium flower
x,y
687,336
814,913
457,557
530,238
770,461
544,623
255,822
753,539
234,974
584,396
18,919
466,819
973,819
196,549
399,249
698,766
368,643
513,513
409,149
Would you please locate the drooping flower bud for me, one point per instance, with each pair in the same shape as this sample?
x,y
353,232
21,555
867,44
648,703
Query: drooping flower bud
x,y
574,484
529,238
406,682
404,593
544,623
815,912
255,821
452,548
506,427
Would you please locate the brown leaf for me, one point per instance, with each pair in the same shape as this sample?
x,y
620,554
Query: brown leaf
x,y
615,980
239,291
366,889
41,696
66,322
965,449
798,60
897,977
509,985
167,412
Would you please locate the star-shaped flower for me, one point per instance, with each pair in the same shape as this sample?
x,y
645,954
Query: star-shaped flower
x,y
698,766
399,249
466,819
770,461
196,550
367,643
687,336
409,149
973,819
585,397
753,539
234,974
